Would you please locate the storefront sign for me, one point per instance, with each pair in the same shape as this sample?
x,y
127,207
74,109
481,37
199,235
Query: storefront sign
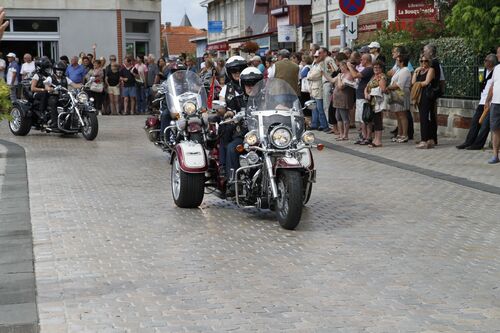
x,y
369,27
221,46
215,26
408,9
286,33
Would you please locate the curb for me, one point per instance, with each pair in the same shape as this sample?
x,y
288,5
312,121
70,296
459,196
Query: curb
x,y
18,309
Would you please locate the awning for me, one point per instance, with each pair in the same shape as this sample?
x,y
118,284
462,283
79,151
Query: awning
x,y
220,46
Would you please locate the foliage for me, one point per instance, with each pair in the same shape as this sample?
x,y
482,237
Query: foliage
x,y
5,104
249,47
476,21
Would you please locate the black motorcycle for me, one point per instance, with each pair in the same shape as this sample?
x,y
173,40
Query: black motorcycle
x,y
76,113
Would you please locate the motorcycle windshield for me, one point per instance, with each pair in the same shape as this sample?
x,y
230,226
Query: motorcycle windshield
x,y
184,86
277,96
273,94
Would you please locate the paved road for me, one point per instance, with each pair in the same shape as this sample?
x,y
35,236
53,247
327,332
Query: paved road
x,y
379,249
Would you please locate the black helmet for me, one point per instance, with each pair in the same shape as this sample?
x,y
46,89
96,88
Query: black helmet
x,y
61,66
235,64
178,67
250,76
44,65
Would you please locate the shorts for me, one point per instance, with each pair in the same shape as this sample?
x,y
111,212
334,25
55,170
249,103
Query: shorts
x,y
359,109
114,90
494,117
129,92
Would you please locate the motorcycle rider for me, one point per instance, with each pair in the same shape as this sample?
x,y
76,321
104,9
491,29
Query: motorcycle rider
x,y
38,89
249,77
58,78
232,94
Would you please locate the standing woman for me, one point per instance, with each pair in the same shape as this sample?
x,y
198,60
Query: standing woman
x,y
424,76
343,99
378,80
162,71
304,83
97,87
399,90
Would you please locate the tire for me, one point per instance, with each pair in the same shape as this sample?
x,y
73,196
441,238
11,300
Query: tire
x,y
290,198
187,188
91,127
197,137
19,125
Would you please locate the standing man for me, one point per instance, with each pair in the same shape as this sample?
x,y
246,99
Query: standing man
x,y
75,72
28,67
286,70
493,101
315,77
375,52
363,78
12,75
153,71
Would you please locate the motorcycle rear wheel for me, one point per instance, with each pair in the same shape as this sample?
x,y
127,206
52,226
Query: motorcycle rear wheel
x,y
91,127
187,188
19,125
290,199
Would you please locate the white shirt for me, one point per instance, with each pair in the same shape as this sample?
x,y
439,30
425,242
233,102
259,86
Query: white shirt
x,y
496,85
223,93
270,71
27,69
484,93
10,74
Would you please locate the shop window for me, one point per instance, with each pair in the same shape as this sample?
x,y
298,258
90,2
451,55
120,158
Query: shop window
x,y
138,27
319,37
30,25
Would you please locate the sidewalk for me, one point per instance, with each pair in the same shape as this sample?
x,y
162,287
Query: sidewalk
x,y
444,159
18,311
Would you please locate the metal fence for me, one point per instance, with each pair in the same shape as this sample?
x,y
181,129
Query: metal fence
x,y
462,80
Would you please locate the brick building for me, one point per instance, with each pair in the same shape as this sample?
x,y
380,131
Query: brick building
x,y
177,39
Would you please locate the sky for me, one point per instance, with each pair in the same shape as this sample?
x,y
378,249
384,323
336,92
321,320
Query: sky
x,y
173,11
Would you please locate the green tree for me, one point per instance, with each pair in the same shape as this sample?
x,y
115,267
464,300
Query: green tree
x,y
476,21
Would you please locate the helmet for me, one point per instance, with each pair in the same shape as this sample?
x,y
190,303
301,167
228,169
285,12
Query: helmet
x,y
60,65
178,67
44,65
235,64
250,76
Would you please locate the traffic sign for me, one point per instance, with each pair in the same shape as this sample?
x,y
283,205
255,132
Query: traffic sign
x,y
351,25
352,7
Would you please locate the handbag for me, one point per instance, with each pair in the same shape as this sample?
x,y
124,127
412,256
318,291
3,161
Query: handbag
x,y
397,97
97,87
368,114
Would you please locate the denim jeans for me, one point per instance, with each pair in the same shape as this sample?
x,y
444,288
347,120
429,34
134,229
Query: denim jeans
x,y
318,115
141,98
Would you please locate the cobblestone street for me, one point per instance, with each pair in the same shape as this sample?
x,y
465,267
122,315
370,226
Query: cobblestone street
x,y
379,249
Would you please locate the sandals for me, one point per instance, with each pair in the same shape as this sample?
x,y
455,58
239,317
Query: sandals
x,y
372,145
365,142
402,139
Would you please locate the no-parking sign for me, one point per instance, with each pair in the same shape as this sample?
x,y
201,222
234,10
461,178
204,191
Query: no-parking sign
x,y
352,7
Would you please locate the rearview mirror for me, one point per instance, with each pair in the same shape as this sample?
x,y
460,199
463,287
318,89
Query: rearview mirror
x,y
311,104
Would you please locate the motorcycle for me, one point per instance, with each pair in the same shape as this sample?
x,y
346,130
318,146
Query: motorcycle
x,y
76,114
276,164
184,98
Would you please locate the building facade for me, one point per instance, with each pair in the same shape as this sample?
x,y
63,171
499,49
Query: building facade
x,y
54,28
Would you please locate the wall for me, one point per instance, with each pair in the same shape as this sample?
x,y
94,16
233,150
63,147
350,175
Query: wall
x,y
140,5
453,116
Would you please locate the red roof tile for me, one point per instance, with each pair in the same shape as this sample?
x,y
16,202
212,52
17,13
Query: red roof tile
x,y
178,39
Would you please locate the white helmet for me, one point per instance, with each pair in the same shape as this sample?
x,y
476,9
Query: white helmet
x,y
235,64
250,76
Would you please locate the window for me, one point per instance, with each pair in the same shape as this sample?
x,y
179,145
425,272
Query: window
x,y
229,16
319,37
31,25
138,27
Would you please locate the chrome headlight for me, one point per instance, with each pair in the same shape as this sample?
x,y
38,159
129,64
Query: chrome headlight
x,y
189,108
251,138
281,137
308,137
82,98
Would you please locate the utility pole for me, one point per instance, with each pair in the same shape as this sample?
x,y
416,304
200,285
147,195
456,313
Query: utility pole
x,y
342,30
327,25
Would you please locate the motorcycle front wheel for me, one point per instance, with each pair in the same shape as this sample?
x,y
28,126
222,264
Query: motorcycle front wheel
x,y
187,188
290,198
91,127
